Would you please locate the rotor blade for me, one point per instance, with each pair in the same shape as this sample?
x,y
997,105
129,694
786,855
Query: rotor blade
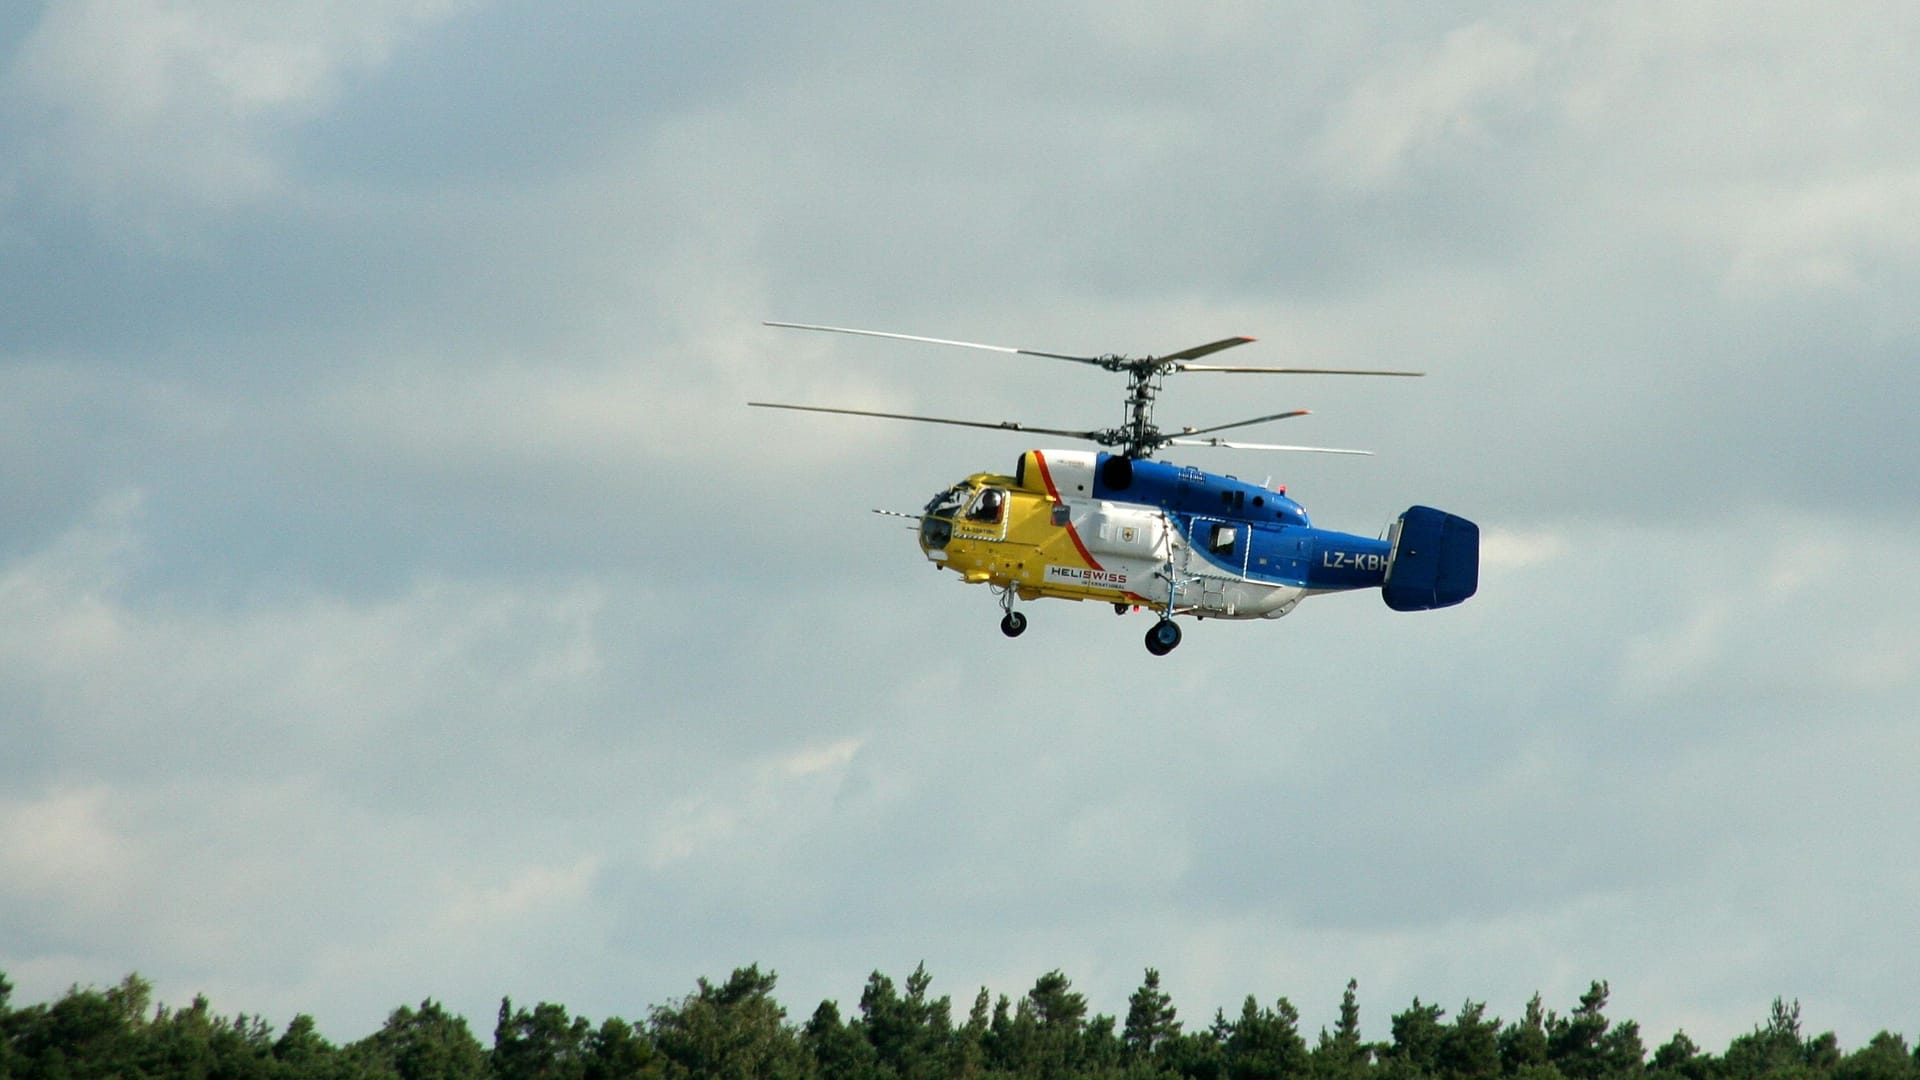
x,y
1199,351
1244,423
936,341
1287,370
1225,444
1004,425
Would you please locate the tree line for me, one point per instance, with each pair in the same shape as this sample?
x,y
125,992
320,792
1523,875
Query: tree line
x,y
735,1030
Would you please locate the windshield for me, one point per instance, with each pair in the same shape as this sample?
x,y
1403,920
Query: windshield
x,y
945,503
936,524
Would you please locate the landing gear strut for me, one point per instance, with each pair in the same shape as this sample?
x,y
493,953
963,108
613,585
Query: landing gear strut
x,y
1162,638
1166,633
1012,623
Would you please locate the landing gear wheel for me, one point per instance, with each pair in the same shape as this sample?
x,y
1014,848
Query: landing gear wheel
x,y
1163,637
1121,609
1013,624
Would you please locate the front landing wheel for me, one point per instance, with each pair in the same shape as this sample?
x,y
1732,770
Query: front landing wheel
x,y
1164,635
1013,624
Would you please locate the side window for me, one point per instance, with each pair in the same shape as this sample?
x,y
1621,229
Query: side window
x,y
988,507
1222,540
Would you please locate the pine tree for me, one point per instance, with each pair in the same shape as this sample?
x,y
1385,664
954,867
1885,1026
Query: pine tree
x,y
1523,1045
544,1044
1679,1058
911,1036
1415,1050
1885,1057
838,1050
1574,1044
1470,1046
1150,1019
1342,1055
1774,1047
1265,1044
733,1030
425,1044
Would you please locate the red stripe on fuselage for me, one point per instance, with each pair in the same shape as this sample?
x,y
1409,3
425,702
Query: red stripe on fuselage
x,y
1073,534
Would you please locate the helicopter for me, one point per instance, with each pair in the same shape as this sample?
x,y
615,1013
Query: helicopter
x,y
1119,526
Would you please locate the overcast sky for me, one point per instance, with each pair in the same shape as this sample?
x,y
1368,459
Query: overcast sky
x,y
397,599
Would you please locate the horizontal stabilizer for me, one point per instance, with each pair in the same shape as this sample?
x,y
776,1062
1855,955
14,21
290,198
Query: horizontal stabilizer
x,y
1435,561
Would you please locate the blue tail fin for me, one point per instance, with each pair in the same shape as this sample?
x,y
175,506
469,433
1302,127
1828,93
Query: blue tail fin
x,y
1435,561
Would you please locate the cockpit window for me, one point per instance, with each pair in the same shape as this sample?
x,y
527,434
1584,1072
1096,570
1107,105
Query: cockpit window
x,y
944,503
988,506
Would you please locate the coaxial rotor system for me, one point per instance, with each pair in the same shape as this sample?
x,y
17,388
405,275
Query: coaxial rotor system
x,y
1136,436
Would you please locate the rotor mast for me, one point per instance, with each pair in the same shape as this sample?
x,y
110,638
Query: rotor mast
x,y
1139,437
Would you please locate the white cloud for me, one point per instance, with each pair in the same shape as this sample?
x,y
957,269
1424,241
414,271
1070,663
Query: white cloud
x,y
323,671
1754,617
62,620
683,412
1846,233
1419,104
749,810
1503,548
819,759
1671,658
532,894
63,850
144,104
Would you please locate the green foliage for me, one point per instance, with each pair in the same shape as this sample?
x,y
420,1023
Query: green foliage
x,y
1577,1044
911,1036
545,1045
539,1045
1342,1055
1200,1054
1776,1050
839,1052
1046,1034
1523,1045
1414,1053
1680,1059
1265,1044
1470,1046
1151,1020
425,1044
301,1046
1884,1058
85,1034
736,1030
116,1033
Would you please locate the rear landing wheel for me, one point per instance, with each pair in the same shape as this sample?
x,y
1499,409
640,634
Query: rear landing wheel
x,y
1013,624
1121,609
1163,637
